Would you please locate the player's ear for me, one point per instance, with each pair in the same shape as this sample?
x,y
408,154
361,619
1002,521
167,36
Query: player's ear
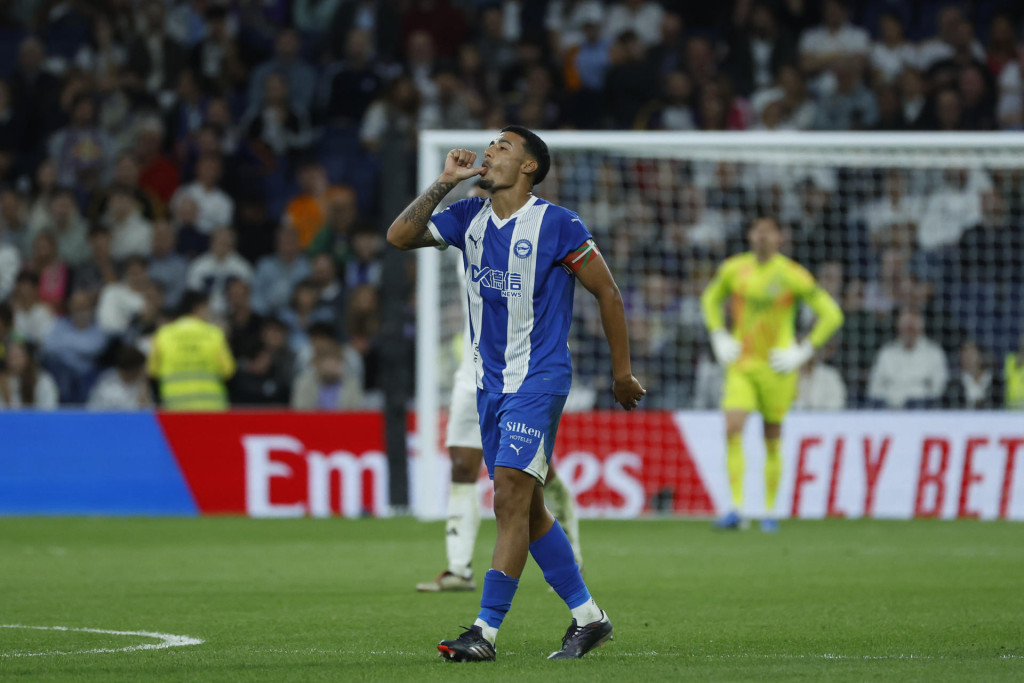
x,y
529,166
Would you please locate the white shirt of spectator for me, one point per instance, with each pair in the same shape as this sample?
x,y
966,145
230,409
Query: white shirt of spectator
x,y
10,265
762,53
47,396
881,214
131,237
34,325
947,214
822,388
210,275
901,374
891,61
118,305
216,208
1010,107
569,29
646,22
975,390
933,51
112,393
847,40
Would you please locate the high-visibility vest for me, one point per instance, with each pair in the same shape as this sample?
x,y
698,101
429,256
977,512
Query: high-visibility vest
x,y
1014,376
191,359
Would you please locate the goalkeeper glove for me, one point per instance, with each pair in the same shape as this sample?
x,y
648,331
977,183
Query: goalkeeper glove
x,y
785,361
725,346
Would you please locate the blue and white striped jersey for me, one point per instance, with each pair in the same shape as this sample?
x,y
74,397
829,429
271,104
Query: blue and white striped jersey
x,y
520,296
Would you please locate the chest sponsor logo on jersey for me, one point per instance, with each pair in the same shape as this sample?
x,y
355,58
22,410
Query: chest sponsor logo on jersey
x,y
509,284
523,248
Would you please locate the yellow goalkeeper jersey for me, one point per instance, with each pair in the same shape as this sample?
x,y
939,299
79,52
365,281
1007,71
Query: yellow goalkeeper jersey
x,y
763,303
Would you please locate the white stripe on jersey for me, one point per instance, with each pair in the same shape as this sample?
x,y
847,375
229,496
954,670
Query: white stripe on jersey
x,y
520,310
474,254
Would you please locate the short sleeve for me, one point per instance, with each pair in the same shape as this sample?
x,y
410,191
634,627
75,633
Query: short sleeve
x,y
449,226
571,234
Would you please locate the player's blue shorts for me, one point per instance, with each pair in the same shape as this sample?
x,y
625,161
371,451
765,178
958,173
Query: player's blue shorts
x,y
518,430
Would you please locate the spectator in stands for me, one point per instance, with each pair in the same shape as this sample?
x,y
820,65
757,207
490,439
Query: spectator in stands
x,y
797,111
443,24
126,175
191,359
156,56
895,208
362,327
54,274
365,266
23,384
130,233
420,63
674,109
325,386
395,113
820,387
630,85
642,17
243,324
265,377
67,226
39,202
978,98
120,302
276,128
1013,376
852,106
497,49
955,35
35,94
214,58
166,266
33,319
312,17
99,270
158,173
278,273
186,115
975,386
124,386
299,76
215,207
104,55
586,69
912,91
380,20
758,48
893,53
910,371
210,272
833,45
305,211
73,348
335,235
305,309
10,266
564,21
13,220
12,123
951,208
882,294
81,150
992,250
452,107
350,86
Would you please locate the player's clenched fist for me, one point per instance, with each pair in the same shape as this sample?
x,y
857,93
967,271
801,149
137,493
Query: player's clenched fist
x,y
628,392
458,165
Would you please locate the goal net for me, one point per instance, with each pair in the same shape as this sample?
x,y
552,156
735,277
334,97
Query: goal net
x,y
887,223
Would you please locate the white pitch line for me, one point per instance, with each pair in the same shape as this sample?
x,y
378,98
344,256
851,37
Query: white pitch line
x,y
166,640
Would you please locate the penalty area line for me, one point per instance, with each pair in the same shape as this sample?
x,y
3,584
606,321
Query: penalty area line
x,y
166,640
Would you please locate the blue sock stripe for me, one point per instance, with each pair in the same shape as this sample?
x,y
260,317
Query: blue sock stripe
x,y
553,553
496,599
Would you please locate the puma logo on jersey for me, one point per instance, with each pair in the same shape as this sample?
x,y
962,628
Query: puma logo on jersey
x,y
476,240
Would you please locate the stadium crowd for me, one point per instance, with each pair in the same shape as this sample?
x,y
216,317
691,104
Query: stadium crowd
x,y
250,149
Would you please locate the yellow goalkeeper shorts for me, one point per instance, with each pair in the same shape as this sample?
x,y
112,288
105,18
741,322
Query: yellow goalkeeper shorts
x,y
761,389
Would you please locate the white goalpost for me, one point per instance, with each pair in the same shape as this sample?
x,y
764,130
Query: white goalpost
x,y
885,221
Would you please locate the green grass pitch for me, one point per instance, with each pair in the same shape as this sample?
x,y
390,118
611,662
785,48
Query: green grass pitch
x,y
333,600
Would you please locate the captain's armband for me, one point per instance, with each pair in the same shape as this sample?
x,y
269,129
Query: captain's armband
x,y
579,258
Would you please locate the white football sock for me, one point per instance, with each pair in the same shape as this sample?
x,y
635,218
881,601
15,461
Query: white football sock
x,y
461,530
559,500
490,633
587,613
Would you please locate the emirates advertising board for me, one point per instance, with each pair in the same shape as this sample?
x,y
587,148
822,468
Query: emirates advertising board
x,y
619,465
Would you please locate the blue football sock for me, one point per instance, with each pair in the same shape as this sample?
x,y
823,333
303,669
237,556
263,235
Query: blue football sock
x,y
553,553
496,600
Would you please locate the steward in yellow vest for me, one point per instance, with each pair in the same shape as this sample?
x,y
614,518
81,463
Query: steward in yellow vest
x,y
191,359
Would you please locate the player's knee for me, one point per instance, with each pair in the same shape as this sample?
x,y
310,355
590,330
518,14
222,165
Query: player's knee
x,y
465,465
513,494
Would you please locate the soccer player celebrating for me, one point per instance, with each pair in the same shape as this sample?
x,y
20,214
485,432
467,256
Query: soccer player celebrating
x,y
761,354
522,256
465,449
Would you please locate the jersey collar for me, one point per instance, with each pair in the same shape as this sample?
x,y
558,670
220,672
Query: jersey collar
x,y
499,223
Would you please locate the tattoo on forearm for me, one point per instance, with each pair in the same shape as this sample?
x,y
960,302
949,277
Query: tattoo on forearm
x,y
418,213
424,239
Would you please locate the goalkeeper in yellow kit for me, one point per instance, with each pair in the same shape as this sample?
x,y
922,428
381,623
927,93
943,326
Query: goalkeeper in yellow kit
x,y
762,354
